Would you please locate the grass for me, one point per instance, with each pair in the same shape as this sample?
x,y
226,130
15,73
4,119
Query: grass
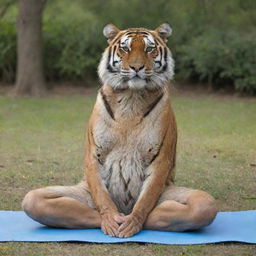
x,y
42,143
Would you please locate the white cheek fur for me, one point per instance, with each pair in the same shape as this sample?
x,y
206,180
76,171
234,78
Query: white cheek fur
x,y
116,80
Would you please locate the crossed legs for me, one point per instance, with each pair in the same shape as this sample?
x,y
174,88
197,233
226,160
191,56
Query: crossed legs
x,y
62,206
181,209
178,208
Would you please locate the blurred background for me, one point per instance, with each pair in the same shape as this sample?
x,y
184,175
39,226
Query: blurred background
x,y
213,42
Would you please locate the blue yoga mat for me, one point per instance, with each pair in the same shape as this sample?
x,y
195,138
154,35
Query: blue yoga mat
x,y
228,226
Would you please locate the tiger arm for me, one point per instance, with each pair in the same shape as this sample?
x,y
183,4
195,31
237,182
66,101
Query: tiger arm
x,y
154,185
105,205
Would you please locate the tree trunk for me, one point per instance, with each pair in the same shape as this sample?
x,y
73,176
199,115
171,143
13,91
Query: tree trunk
x,y
210,82
30,77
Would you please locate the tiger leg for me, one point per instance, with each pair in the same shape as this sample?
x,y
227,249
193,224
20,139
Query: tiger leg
x,y
62,206
181,209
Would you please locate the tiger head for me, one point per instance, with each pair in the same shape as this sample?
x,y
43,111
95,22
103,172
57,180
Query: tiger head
x,y
136,58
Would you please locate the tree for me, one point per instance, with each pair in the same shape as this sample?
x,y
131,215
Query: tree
x,y
30,77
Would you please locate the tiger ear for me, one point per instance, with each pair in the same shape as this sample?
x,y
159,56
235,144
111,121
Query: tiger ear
x,y
110,31
164,31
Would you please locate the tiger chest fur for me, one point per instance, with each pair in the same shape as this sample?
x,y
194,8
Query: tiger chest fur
x,y
127,142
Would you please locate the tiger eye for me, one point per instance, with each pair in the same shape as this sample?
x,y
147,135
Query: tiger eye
x,y
150,49
125,49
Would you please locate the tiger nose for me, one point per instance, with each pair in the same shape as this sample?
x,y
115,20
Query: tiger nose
x,y
137,67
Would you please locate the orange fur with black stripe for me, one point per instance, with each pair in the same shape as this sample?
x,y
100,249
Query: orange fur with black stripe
x,y
131,146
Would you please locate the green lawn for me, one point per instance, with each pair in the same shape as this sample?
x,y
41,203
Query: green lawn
x,y
42,143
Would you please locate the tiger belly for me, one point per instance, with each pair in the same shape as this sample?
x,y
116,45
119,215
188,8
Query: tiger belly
x,y
123,174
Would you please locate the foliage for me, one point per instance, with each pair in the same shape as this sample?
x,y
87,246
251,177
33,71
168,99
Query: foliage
x,y
7,51
72,46
241,63
219,57
69,52
211,42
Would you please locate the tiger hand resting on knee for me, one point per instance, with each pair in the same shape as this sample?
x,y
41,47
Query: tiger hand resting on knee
x,y
130,149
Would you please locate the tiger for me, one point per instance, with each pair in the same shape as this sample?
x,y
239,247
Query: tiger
x,y
130,152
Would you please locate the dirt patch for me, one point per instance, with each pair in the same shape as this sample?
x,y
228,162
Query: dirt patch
x,y
90,88
201,91
68,90
62,90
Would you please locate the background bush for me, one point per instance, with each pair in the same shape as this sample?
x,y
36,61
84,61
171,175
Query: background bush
x,y
218,58
7,51
213,42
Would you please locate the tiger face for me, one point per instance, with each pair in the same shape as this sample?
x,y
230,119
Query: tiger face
x,y
136,58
